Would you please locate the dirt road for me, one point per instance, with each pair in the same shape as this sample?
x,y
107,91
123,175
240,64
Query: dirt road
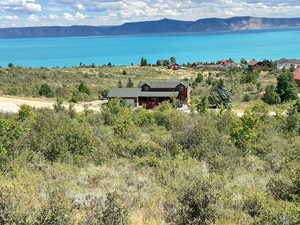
x,y
45,103
94,105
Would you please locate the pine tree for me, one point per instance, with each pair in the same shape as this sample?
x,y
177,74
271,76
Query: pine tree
x,y
220,95
130,83
202,105
83,88
120,85
270,96
199,78
286,87
143,62
46,91
173,60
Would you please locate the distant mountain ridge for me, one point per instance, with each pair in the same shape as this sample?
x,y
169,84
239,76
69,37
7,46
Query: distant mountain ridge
x,y
153,27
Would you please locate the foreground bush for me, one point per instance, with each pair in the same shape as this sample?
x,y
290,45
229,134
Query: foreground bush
x,y
112,213
55,211
195,206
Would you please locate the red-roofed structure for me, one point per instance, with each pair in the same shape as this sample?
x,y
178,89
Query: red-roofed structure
x,y
225,62
297,76
252,63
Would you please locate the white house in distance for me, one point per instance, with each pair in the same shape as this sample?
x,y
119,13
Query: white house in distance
x,y
288,64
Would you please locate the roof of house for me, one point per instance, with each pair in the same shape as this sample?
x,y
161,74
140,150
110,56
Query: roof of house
x,y
293,61
252,63
172,83
297,74
158,94
124,93
225,62
136,92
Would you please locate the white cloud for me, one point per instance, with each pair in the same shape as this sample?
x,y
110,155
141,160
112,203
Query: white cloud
x,y
68,16
107,12
80,16
26,6
9,17
33,18
79,6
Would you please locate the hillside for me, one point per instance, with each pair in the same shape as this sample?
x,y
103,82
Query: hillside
x,y
125,166
153,27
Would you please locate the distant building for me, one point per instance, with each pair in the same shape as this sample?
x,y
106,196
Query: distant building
x,y
225,62
252,64
288,64
152,93
174,66
297,76
259,65
163,62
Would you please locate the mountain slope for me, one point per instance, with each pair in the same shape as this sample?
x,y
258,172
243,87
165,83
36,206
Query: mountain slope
x,y
152,27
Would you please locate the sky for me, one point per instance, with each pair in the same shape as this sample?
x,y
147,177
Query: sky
x,y
20,13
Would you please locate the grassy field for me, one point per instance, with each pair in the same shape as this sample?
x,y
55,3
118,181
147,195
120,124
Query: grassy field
x,y
63,81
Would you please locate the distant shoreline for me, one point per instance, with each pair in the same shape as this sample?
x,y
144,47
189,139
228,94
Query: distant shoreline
x,y
207,33
159,27
129,49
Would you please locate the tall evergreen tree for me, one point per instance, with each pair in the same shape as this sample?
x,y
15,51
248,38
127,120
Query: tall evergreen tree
x,y
143,62
173,60
219,94
270,96
202,105
120,85
130,83
46,91
286,87
83,88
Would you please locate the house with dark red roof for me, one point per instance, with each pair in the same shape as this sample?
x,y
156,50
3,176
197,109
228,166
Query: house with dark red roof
x,y
174,66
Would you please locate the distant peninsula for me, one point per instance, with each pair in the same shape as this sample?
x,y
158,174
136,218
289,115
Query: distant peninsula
x,y
163,26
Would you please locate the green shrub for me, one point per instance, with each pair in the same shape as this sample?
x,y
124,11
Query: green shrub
x,y
10,133
83,88
253,206
46,91
56,136
56,211
270,96
247,98
78,96
123,123
112,213
199,78
142,117
196,205
25,112
104,93
280,189
249,77
7,211
202,105
279,214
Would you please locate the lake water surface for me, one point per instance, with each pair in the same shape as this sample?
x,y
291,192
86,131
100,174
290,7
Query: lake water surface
x,y
51,52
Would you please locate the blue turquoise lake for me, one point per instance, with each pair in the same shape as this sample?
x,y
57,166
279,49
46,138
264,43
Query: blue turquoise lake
x,y
70,51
